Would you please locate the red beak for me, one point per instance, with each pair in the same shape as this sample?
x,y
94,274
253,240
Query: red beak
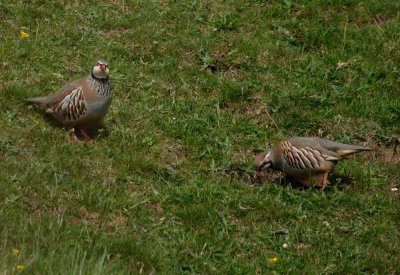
x,y
103,67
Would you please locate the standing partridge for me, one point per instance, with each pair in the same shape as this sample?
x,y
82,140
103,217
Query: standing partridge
x,y
81,102
306,159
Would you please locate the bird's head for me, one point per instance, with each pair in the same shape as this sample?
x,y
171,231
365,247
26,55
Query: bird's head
x,y
263,161
101,70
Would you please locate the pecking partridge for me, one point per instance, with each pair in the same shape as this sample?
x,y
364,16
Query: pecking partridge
x,y
81,102
306,159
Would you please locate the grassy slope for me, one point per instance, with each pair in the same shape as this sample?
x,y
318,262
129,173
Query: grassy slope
x,y
200,87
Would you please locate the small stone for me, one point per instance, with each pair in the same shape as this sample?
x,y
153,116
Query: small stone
x,y
285,245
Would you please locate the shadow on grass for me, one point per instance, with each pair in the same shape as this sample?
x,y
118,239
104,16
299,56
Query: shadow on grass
x,y
342,182
283,180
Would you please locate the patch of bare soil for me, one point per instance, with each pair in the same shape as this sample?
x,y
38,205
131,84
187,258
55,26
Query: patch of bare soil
x,y
173,152
258,110
370,21
301,246
117,222
343,182
387,151
222,64
87,216
270,176
110,33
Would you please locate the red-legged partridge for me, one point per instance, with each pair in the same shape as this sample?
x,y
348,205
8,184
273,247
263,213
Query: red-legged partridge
x,y
306,159
81,102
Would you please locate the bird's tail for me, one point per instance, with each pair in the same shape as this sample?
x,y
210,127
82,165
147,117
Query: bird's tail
x,y
38,100
343,149
352,149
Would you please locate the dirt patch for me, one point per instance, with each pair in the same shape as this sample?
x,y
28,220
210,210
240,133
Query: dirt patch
x,y
117,222
219,61
156,206
173,151
89,216
241,154
270,176
232,71
381,18
388,154
239,169
111,33
258,110
386,151
301,246
375,21
342,181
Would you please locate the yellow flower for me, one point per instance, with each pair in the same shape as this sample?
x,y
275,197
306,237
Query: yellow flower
x,y
23,34
273,260
20,267
15,251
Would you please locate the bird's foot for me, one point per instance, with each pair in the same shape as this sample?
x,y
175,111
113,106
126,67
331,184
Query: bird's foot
x,y
76,138
86,135
325,181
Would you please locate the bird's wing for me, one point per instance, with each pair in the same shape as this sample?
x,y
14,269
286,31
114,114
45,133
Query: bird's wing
x,y
55,98
71,107
309,157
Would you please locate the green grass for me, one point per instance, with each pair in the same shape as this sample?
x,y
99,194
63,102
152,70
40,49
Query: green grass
x,y
200,87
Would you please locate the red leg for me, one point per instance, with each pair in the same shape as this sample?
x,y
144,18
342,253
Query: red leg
x,y
83,132
75,136
325,181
